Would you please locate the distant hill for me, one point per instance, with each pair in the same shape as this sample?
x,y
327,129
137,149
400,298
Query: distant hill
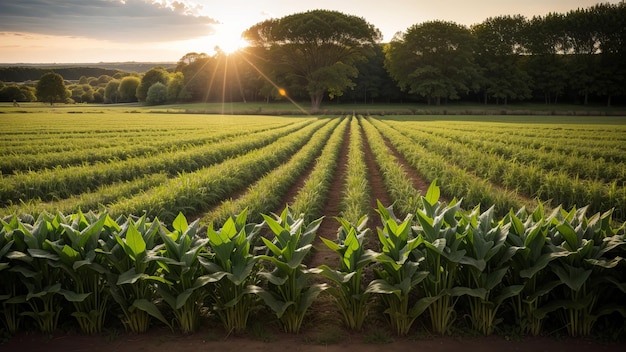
x,y
32,72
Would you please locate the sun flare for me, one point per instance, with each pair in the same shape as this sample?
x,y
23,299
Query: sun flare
x,y
228,39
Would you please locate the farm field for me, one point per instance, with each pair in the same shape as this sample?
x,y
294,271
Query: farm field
x,y
210,168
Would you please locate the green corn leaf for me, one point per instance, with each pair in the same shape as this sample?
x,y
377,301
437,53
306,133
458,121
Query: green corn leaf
x,y
134,246
308,296
71,296
150,308
433,193
330,244
572,276
383,287
569,234
508,292
276,227
129,277
422,305
180,223
277,306
467,291
42,254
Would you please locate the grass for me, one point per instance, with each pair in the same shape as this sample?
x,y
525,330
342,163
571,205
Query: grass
x,y
332,108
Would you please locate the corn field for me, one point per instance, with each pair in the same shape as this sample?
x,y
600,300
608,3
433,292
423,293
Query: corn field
x,y
522,225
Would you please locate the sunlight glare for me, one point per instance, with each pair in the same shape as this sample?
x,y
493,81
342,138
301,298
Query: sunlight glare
x,y
227,38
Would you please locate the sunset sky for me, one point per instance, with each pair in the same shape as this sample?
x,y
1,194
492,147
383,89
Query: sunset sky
x,y
83,31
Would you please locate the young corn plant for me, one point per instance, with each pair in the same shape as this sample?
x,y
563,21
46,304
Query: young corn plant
x,y
441,237
134,272
350,295
35,263
401,274
528,233
486,263
86,269
182,287
10,280
289,293
230,258
586,270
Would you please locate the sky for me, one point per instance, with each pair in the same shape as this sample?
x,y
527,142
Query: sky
x,y
89,31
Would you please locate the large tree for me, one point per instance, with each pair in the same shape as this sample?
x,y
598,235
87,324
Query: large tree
x,y
51,88
315,51
152,76
499,49
434,60
128,89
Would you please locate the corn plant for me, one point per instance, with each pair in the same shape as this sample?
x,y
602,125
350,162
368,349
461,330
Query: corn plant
x,y
9,279
85,269
231,259
441,238
486,263
528,233
401,272
586,269
351,296
184,279
289,293
134,272
35,262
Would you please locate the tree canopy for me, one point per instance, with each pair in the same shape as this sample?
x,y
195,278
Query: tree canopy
x,y
51,88
434,60
315,51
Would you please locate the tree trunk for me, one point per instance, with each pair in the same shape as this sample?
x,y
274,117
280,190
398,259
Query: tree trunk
x,y
316,101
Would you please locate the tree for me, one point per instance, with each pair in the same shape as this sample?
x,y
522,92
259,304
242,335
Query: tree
x,y
499,46
176,91
152,76
315,51
157,94
128,89
111,92
51,88
434,60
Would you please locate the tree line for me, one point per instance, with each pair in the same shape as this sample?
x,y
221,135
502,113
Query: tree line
x,y
321,55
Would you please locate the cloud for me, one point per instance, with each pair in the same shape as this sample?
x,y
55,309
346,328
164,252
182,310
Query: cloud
x,y
114,20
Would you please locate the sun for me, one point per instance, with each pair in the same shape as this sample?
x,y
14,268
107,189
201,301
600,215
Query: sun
x,y
228,39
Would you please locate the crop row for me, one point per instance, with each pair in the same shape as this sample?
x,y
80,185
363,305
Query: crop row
x,y
268,191
205,188
455,181
114,149
64,182
356,195
586,167
527,179
400,187
531,271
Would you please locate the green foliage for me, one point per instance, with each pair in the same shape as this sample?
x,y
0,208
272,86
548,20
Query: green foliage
x,y
348,290
128,89
51,88
182,287
329,42
434,60
157,94
231,259
289,294
401,272
132,255
151,77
